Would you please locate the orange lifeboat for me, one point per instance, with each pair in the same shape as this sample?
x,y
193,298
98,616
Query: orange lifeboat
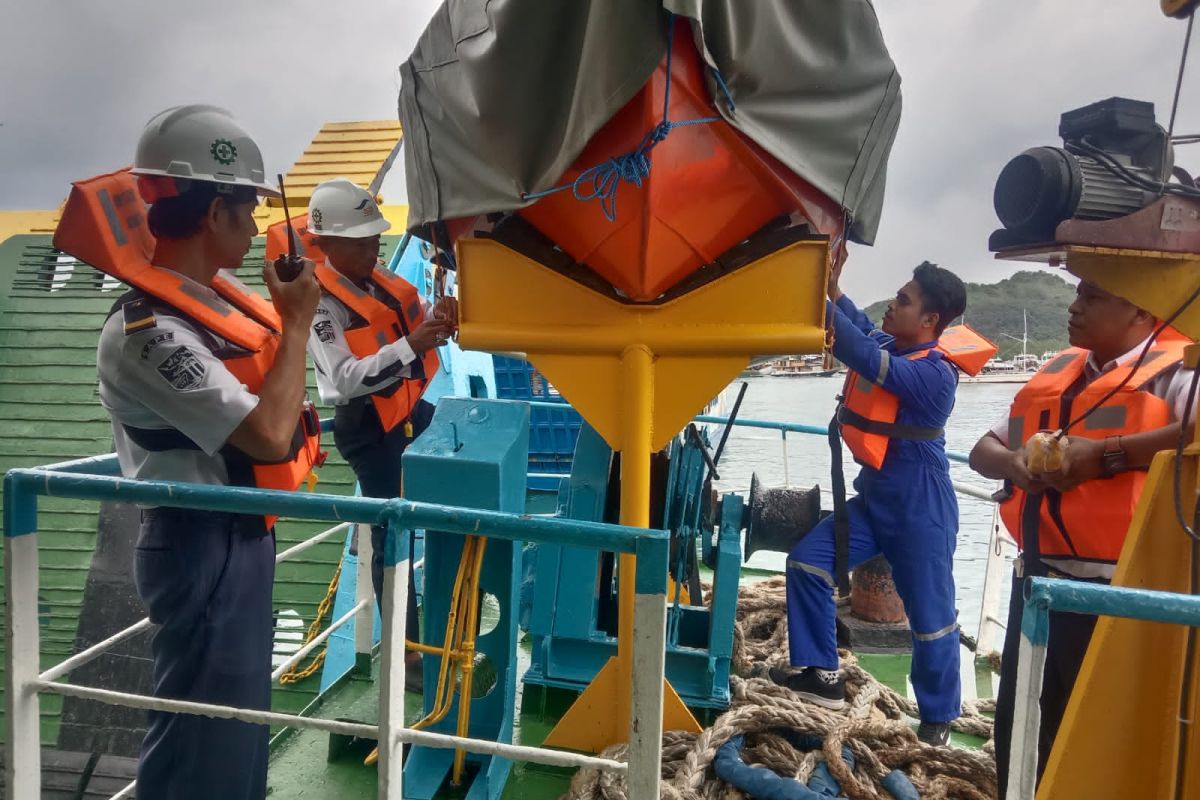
x,y
708,187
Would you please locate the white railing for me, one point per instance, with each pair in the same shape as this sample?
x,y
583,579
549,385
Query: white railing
x,y
25,682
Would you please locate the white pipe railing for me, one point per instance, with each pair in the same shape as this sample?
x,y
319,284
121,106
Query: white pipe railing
x,y
76,661
318,640
312,541
24,683
787,478
95,651
535,755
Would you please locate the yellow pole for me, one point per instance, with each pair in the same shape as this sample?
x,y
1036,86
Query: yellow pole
x,y
448,651
467,659
638,365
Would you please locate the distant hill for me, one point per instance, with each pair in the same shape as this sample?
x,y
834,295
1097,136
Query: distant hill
x,y
995,308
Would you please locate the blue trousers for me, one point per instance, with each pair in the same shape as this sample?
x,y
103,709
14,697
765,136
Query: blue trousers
x,y
922,558
205,578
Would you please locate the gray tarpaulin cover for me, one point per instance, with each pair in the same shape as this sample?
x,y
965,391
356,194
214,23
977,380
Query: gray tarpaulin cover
x,y
500,96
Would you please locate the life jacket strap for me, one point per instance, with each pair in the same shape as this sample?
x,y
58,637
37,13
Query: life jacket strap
x,y
158,440
841,514
892,430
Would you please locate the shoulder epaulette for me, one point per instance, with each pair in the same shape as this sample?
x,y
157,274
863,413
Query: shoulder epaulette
x,y
139,316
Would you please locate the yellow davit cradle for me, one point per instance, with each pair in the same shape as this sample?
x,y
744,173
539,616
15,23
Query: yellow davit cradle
x,y
637,373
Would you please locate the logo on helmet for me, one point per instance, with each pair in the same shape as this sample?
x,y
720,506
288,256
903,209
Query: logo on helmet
x,y
223,151
314,217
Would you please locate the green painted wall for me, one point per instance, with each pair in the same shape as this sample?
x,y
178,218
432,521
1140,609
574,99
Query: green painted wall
x,y
49,324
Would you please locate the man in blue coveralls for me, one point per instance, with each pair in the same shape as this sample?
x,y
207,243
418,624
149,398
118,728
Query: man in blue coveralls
x,y
905,507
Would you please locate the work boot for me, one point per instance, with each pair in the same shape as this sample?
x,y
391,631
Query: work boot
x,y
823,687
934,733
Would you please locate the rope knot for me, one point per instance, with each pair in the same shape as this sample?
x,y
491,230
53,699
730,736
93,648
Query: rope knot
x,y
602,181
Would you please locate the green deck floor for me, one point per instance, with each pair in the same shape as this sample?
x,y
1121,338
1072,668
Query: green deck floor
x,y
303,767
306,766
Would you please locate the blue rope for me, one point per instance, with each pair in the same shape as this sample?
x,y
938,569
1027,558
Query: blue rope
x,y
602,181
724,90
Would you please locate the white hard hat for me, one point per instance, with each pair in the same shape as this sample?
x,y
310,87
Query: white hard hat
x,y
201,143
339,207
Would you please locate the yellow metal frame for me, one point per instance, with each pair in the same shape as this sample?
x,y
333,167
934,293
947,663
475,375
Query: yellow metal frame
x,y
698,342
637,374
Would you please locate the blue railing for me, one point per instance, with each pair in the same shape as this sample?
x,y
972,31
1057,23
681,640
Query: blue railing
x,y
95,479
771,425
22,486
1043,595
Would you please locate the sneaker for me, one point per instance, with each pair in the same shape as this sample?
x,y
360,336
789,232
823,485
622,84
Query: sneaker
x,y
811,686
934,733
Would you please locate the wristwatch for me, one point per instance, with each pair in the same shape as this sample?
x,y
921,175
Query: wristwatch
x,y
1113,461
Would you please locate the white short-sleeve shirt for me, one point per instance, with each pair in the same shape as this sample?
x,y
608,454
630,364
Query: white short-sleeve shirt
x,y
341,375
165,377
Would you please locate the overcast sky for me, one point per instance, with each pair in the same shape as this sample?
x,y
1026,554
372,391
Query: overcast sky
x,y
982,80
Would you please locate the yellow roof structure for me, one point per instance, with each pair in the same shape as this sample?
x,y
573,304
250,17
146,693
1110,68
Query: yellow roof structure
x,y
359,151
13,223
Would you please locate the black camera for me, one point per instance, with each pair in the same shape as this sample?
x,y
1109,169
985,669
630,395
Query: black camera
x,y
1115,160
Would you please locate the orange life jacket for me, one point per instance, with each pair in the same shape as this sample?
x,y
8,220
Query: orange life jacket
x,y
867,413
306,240
383,322
104,224
1089,522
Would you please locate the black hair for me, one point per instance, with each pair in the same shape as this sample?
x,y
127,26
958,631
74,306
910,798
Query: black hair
x,y
180,216
942,292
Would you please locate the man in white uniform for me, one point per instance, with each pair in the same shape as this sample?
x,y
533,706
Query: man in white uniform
x,y
180,414
388,376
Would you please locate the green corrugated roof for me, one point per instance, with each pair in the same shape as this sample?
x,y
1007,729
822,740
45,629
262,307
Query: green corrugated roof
x,y
49,324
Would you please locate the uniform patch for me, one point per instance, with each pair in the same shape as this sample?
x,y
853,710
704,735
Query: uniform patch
x,y
162,338
324,331
138,316
182,369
